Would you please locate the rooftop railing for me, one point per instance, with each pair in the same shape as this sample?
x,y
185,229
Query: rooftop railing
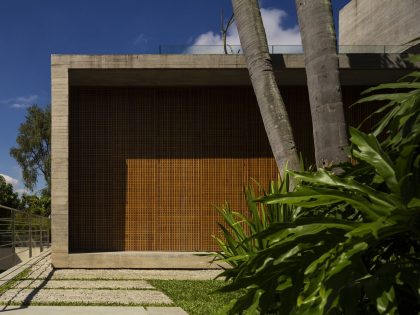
x,y
279,49
21,233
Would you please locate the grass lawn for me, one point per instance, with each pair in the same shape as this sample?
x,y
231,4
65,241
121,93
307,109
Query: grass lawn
x,y
196,297
15,280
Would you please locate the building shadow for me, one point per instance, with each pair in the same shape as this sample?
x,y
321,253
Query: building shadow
x,y
28,299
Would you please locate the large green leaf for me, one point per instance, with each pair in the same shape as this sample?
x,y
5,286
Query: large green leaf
x,y
398,85
369,150
339,243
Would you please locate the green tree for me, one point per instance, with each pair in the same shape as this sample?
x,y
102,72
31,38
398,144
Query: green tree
x,y
273,110
8,197
33,147
40,205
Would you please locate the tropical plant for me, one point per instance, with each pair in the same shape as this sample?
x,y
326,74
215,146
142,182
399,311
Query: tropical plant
x,y
352,245
237,227
321,63
272,108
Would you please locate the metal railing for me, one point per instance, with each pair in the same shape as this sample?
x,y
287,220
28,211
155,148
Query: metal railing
x,y
21,232
279,49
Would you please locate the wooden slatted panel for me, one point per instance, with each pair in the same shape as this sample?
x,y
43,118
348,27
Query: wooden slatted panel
x,y
147,164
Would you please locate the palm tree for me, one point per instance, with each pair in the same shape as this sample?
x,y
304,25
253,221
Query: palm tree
x,y
273,111
321,63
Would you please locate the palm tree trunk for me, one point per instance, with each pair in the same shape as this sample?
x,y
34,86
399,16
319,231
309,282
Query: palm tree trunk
x,y
273,111
321,62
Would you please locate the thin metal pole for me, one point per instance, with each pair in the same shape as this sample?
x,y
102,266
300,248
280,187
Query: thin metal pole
x,y
48,233
30,235
40,235
13,238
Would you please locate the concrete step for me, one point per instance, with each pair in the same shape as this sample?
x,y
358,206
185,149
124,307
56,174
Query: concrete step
x,y
125,274
84,296
91,310
83,284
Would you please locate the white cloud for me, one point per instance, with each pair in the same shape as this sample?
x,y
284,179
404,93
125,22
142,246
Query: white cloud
x,y
141,40
22,191
20,101
288,39
10,180
20,105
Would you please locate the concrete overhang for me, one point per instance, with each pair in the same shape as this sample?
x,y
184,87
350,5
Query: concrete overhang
x,y
219,70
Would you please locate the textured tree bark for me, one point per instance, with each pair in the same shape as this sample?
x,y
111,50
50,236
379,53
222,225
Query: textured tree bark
x,y
273,111
321,62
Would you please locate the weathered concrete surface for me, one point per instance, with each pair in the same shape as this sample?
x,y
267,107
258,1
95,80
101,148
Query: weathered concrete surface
x,y
147,260
379,22
92,310
165,311
74,310
82,284
127,274
85,296
32,263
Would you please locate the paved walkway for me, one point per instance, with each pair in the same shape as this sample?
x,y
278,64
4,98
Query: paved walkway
x,y
84,291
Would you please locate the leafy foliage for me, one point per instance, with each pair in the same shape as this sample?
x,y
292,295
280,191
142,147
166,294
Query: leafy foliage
x,y
8,197
352,245
33,147
238,228
40,205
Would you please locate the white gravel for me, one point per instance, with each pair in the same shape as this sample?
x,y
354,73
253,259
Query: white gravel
x,y
85,296
82,284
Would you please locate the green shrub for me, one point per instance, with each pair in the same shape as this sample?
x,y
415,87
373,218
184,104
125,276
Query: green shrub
x,y
352,245
237,229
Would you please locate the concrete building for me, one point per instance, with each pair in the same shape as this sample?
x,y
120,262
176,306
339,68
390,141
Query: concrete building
x,y
387,24
144,145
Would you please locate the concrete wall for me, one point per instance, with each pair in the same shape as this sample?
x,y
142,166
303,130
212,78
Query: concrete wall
x,y
379,22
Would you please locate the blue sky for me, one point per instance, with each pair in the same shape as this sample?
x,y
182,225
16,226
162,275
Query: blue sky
x,y
30,31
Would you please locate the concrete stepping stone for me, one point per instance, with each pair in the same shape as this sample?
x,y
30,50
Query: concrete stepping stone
x,y
41,271
126,274
91,310
85,296
82,284
165,311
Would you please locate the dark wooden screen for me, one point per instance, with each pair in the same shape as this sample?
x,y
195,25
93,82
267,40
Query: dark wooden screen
x,y
148,164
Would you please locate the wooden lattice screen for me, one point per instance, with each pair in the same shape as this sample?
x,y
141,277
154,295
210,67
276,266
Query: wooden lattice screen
x,y
147,164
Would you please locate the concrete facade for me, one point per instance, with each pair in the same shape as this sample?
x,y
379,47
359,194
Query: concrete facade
x,y
166,70
379,22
